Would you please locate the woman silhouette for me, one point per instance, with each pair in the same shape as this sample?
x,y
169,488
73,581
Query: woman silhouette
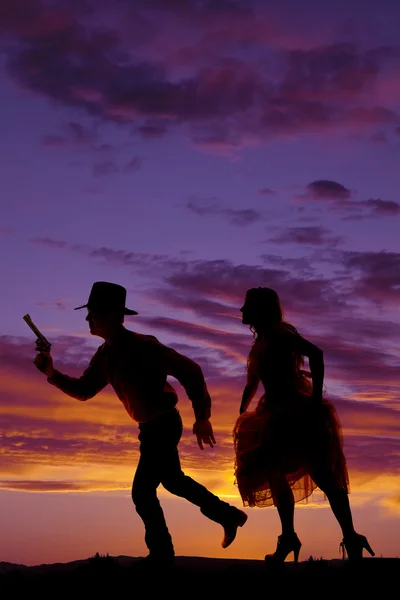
x,y
292,442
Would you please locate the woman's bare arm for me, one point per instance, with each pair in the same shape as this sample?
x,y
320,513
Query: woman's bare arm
x,y
316,360
248,394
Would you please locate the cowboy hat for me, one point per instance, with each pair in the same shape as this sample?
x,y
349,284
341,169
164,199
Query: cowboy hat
x,y
106,297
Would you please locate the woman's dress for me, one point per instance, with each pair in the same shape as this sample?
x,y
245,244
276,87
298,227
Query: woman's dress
x,y
289,439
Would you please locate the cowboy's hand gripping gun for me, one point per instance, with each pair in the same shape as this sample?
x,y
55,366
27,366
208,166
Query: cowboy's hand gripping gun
x,y
42,344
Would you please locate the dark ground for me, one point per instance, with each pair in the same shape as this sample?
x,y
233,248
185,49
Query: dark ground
x,y
196,577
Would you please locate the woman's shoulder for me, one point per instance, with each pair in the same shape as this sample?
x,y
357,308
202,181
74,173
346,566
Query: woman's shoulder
x,y
285,333
280,335
288,329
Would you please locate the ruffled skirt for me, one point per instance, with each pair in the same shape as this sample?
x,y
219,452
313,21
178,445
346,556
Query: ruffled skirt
x,y
291,447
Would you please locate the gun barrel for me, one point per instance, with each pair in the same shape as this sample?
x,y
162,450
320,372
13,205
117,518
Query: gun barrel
x,y
35,330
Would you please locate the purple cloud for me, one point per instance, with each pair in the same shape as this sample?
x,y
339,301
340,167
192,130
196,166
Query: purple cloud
x,y
341,199
214,290
220,280
152,130
381,207
239,217
266,191
106,167
73,134
379,279
54,141
32,20
133,165
380,137
51,243
58,304
324,189
221,102
310,236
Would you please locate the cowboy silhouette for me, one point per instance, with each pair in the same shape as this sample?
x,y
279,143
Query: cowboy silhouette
x,y
137,367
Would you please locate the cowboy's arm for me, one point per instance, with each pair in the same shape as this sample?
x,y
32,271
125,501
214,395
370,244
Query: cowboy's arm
x,y
92,381
190,376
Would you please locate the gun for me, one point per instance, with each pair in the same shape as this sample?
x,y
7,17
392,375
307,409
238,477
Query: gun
x,y
43,343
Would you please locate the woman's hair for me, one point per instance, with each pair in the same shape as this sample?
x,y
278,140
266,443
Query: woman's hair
x,y
265,301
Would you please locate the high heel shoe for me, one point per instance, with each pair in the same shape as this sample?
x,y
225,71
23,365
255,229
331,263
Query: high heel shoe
x,y
354,544
287,543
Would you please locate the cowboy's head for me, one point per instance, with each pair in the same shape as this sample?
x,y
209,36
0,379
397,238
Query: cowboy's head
x,y
106,308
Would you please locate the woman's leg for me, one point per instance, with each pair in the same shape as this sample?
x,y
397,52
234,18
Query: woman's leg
x,y
353,542
288,541
284,502
338,500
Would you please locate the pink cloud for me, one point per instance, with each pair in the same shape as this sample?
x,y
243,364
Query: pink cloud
x,y
329,72
213,291
30,19
223,103
380,275
30,485
376,115
221,280
341,199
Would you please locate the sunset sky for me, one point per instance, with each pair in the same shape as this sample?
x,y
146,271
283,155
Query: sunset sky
x,y
189,150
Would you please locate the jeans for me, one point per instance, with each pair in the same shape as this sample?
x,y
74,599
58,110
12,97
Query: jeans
x,y
159,463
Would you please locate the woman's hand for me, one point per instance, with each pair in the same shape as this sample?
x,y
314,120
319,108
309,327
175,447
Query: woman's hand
x,y
316,398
